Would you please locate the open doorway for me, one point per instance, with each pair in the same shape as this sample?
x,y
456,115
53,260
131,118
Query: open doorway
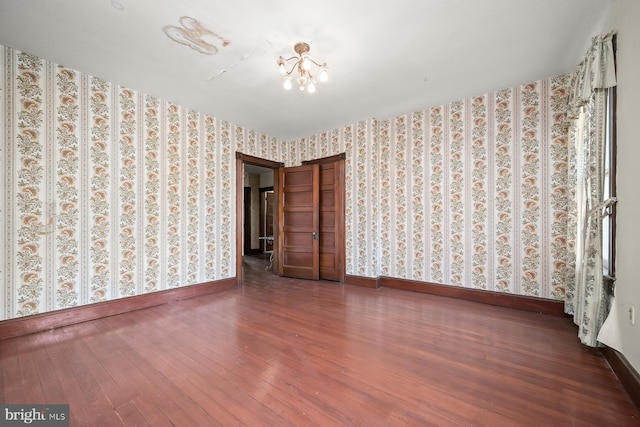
x,y
257,232
329,258
256,203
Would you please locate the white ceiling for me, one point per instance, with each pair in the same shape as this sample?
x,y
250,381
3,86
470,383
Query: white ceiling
x,y
385,57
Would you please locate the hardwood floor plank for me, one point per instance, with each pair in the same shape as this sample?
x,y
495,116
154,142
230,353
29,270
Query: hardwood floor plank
x,y
2,387
167,358
298,359
130,415
233,381
132,385
92,344
153,415
89,375
52,390
31,385
71,390
288,352
11,379
183,410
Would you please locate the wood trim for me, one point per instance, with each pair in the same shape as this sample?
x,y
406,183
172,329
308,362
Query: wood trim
x,y
519,302
315,215
246,209
329,159
628,376
69,316
252,160
276,222
366,282
341,216
278,231
239,215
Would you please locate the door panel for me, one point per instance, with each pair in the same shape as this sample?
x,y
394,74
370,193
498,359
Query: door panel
x,y
299,221
298,239
303,199
330,231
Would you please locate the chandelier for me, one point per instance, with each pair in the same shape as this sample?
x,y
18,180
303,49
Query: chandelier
x,y
303,65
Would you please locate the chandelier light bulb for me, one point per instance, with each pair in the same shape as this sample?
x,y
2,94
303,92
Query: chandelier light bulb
x,y
311,87
287,83
301,88
324,74
306,63
281,66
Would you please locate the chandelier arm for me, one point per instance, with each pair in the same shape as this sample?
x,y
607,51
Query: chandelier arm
x,y
291,71
319,65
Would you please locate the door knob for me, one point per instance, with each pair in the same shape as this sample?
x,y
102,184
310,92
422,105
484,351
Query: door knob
x,y
315,235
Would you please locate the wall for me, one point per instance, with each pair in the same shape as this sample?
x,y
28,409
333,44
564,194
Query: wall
x,y
254,183
266,179
467,194
621,335
106,192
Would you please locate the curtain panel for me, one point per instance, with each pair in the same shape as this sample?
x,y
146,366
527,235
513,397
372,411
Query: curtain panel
x,y
596,72
586,298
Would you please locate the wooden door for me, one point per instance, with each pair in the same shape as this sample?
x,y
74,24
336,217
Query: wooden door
x,y
299,215
332,241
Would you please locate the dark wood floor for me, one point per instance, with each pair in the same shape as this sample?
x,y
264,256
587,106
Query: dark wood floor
x,y
290,352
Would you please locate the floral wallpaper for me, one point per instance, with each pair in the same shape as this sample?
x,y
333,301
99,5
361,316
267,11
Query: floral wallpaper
x,y
470,194
107,192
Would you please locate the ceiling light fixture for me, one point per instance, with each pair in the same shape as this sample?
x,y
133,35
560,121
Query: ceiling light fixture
x,y
303,64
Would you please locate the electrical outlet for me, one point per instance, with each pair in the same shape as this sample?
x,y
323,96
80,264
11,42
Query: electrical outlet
x,y
632,314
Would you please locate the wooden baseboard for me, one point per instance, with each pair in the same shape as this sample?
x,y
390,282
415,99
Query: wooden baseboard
x,y
367,282
520,302
628,376
55,319
501,299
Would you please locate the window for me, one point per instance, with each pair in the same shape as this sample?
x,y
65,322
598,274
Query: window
x,y
609,220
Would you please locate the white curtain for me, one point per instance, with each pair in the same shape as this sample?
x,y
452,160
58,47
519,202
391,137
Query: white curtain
x,y
586,298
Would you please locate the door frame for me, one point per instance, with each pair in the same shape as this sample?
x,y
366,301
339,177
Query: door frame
x,y
241,160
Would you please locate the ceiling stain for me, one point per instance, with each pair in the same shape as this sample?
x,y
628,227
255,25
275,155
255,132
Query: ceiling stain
x,y
193,34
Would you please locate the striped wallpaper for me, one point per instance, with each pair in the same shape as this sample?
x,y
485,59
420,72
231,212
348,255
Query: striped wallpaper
x,y
107,192
470,194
